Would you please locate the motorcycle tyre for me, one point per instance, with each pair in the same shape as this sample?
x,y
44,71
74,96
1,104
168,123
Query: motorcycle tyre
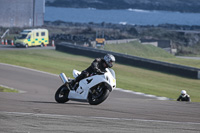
x,y
65,96
100,100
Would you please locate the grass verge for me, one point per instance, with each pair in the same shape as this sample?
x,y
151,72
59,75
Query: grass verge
x,y
128,77
5,89
151,52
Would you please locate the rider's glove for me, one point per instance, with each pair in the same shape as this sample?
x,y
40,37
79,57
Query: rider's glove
x,y
99,71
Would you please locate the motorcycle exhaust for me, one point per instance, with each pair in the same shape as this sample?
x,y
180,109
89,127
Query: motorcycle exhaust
x,y
63,78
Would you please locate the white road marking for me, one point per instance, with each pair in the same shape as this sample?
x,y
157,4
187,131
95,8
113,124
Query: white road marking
x,y
142,94
20,91
93,117
29,69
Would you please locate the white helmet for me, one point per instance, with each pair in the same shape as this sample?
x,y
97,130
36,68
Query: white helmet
x,y
183,93
109,59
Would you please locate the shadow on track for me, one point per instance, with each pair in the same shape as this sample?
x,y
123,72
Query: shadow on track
x,y
46,102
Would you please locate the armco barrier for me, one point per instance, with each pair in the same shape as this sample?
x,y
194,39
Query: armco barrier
x,y
175,69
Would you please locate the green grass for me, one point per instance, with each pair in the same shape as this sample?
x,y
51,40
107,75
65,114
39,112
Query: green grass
x,y
131,78
5,89
151,52
135,48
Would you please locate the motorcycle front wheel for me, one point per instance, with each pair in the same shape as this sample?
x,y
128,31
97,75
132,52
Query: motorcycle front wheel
x,y
61,97
98,95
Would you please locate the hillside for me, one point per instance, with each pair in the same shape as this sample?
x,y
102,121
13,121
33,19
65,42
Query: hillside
x,y
137,49
150,52
165,5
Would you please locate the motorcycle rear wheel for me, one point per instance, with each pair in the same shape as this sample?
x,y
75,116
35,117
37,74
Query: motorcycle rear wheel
x,y
95,100
62,98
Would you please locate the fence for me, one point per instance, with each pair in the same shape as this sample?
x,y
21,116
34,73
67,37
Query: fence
x,y
165,67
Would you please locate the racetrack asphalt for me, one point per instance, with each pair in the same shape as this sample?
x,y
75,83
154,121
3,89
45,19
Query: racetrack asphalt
x,y
35,110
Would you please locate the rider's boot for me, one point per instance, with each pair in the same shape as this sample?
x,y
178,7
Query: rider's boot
x,y
72,83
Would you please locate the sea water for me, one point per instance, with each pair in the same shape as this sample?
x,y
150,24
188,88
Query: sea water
x,y
126,16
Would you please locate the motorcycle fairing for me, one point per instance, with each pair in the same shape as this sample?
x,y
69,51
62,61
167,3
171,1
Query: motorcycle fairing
x,y
83,90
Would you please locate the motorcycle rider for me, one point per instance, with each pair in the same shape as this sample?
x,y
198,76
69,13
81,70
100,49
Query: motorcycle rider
x,y
184,96
98,66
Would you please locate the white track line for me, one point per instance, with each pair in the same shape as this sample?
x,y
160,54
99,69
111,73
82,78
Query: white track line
x,y
92,117
119,89
28,69
19,91
142,94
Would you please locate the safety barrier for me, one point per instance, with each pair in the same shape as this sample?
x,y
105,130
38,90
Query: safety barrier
x,y
165,67
7,42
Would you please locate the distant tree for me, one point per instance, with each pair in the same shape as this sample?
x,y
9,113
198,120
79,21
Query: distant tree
x,y
133,31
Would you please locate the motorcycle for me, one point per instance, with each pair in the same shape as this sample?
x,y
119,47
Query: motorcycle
x,y
93,89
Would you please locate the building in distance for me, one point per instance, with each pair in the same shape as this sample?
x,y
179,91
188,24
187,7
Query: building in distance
x,y
22,13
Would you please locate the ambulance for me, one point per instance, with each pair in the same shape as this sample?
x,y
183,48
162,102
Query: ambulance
x,y
32,37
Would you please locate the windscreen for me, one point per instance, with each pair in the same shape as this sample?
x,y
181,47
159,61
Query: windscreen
x,y
23,36
112,72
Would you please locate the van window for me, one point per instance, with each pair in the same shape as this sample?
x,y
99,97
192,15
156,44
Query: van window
x,y
43,34
37,34
23,36
29,37
25,32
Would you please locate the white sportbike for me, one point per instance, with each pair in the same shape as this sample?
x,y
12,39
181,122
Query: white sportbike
x,y
93,89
